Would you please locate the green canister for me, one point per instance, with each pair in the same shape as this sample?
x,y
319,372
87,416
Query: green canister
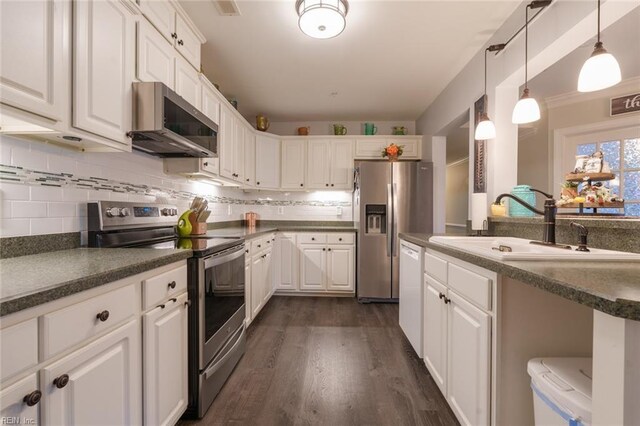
x,y
523,192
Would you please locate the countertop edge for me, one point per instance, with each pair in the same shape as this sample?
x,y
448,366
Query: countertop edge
x,y
30,300
626,309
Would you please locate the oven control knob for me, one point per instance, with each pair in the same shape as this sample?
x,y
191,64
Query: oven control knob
x,y
174,212
124,212
166,212
112,212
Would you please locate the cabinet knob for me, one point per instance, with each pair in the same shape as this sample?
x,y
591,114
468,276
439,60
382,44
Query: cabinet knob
x,y
331,184
447,300
302,184
441,296
324,249
33,398
339,239
313,239
326,184
103,316
259,245
247,179
160,306
257,183
173,299
206,163
329,249
61,381
174,35
246,251
180,42
172,285
187,303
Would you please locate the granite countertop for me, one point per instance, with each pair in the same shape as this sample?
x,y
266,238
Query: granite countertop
x,y
28,281
249,233
610,287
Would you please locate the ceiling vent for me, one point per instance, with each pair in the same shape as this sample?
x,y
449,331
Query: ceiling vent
x,y
227,7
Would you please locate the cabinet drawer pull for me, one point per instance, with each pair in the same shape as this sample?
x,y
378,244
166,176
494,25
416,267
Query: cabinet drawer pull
x,y
180,42
174,35
313,239
441,296
172,285
174,300
103,316
33,398
259,245
329,249
187,303
339,239
324,249
61,381
160,306
326,184
447,300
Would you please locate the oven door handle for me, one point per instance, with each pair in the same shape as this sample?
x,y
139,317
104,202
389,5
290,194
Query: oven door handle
x,y
216,364
215,260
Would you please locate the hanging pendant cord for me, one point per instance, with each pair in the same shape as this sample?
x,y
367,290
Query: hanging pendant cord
x,y
526,45
598,21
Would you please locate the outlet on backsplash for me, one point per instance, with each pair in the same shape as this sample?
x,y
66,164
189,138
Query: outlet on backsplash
x,y
229,210
280,209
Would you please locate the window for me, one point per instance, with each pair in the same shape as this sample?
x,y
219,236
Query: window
x,y
623,156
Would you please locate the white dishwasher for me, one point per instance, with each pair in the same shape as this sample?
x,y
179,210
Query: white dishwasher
x,y
411,270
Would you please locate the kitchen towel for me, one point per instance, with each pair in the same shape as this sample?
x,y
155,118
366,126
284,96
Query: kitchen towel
x,y
478,210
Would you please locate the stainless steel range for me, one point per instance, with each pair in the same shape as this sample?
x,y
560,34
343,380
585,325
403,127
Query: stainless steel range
x,y
215,287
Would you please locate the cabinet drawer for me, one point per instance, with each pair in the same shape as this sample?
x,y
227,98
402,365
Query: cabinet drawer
x,y
340,238
435,267
163,286
18,348
69,326
476,288
310,238
258,244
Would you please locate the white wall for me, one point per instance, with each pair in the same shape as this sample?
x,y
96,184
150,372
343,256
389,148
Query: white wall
x,y
457,191
354,128
29,208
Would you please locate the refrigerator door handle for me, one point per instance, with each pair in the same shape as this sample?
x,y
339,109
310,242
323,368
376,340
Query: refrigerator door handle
x,y
394,251
389,220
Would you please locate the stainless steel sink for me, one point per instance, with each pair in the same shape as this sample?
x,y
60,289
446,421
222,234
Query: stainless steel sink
x,y
509,248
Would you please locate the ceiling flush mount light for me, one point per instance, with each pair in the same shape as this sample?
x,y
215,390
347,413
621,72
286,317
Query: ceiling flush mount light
x,y
486,129
322,18
601,70
527,109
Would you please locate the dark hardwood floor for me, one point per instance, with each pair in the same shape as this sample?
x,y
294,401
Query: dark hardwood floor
x,y
328,361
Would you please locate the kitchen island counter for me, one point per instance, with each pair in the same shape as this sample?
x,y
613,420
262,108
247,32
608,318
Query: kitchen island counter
x,y
28,281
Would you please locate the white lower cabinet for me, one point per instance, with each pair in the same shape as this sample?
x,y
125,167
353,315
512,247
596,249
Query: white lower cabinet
x,y
257,285
313,266
98,384
285,263
261,273
20,402
340,268
247,290
457,340
165,362
327,267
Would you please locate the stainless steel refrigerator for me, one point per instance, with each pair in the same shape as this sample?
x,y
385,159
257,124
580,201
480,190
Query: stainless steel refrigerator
x,y
389,198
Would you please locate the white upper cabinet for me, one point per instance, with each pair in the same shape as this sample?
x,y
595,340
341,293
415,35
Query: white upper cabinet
x,y
156,57
173,26
249,158
210,101
238,151
318,164
370,147
294,159
330,164
267,162
103,68
341,164
34,68
226,137
188,83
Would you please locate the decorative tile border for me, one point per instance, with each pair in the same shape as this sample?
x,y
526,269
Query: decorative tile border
x,y
20,175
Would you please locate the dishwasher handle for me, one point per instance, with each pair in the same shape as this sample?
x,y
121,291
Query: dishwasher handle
x,y
408,251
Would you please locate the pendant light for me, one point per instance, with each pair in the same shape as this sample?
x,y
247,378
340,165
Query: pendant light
x,y
527,109
322,18
485,128
601,70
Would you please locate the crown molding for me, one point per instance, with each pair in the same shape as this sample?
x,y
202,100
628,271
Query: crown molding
x,y
624,87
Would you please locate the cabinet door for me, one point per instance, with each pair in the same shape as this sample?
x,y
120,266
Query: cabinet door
x,y
238,151
104,382
340,268
165,362
249,158
33,41
257,285
435,331
341,164
294,159
247,292
12,404
188,83
313,264
318,164
103,64
411,147
286,263
369,148
210,102
226,139
155,61
267,162
162,15
267,272
468,360
187,43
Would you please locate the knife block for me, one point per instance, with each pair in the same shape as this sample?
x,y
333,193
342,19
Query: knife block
x,y
197,228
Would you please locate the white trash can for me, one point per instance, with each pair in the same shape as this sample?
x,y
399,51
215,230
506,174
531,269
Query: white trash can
x,y
561,391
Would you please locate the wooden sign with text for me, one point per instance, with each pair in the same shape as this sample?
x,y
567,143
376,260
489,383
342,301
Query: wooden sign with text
x,y
625,104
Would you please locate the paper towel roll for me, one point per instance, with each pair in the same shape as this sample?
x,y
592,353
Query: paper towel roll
x,y
478,210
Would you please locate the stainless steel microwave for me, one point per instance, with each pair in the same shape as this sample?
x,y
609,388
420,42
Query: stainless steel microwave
x,y
165,125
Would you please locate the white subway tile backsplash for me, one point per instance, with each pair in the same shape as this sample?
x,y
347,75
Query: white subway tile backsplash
x,y
14,227
46,226
75,194
23,157
61,210
13,191
46,193
74,224
20,209
58,163
5,209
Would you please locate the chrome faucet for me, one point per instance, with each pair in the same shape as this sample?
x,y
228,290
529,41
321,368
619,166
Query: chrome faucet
x,y
549,213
